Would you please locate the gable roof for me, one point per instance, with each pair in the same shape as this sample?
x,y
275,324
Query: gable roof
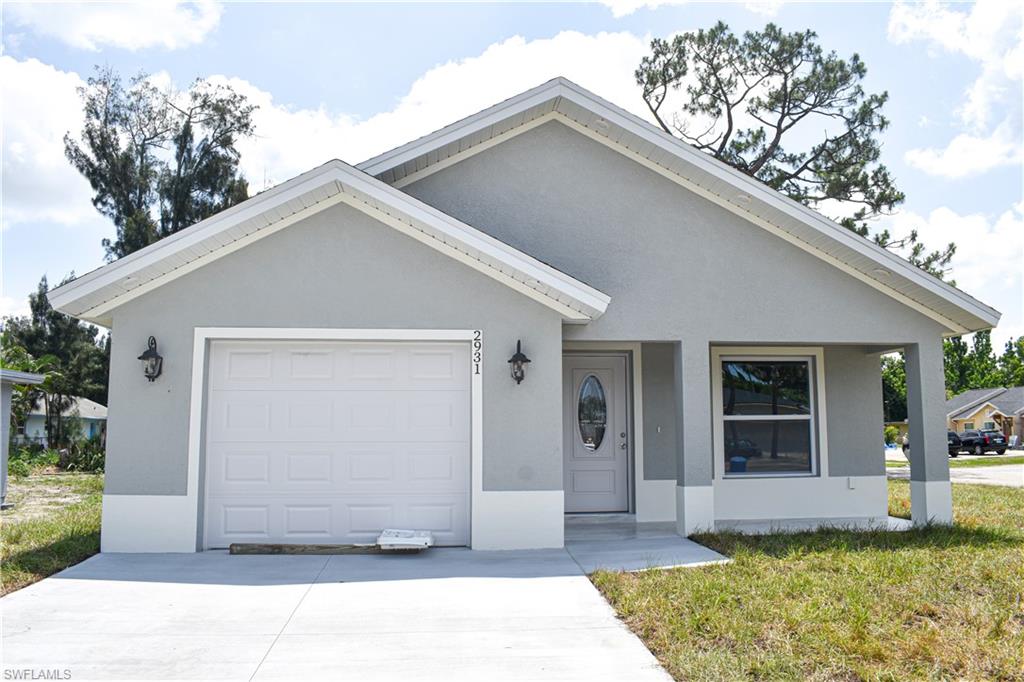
x,y
78,407
1008,401
585,112
94,295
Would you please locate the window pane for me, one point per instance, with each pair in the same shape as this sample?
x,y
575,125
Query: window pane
x,y
757,447
766,387
593,413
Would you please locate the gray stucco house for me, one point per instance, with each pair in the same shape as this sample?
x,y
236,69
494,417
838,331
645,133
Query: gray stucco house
x,y
335,350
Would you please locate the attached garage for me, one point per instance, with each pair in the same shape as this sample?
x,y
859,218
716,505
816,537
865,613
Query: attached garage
x,y
330,441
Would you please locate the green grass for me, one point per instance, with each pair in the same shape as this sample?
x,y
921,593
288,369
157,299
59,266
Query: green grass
x,y
55,523
997,460
934,603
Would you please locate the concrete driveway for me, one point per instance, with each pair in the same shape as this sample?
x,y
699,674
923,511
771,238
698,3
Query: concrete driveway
x,y
449,614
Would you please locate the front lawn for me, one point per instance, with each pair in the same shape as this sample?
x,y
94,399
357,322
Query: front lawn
x,y
937,603
55,523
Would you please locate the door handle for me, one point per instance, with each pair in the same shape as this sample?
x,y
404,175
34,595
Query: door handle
x,y
622,446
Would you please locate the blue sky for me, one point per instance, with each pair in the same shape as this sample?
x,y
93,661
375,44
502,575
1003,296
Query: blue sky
x,y
350,80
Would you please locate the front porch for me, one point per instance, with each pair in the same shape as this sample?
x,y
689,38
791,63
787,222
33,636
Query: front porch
x,y
699,436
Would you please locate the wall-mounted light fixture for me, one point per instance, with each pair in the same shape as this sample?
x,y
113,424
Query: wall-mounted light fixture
x,y
152,362
517,363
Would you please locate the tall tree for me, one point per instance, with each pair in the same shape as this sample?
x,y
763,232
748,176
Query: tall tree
x,y
956,365
753,101
982,366
894,388
1011,363
158,160
77,359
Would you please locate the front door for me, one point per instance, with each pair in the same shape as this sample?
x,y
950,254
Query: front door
x,y
597,437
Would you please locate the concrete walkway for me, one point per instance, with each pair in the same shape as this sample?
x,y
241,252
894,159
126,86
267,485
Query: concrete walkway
x,y
1011,475
450,614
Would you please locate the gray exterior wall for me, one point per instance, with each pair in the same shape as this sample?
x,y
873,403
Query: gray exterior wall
x,y
676,265
678,268
338,269
853,399
657,368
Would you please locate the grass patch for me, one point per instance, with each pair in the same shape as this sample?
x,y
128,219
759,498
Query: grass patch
x,y
935,603
998,460
55,523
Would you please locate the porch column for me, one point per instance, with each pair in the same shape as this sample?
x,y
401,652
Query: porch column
x,y
931,497
695,508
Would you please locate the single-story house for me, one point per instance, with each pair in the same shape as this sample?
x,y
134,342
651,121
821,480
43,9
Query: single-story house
x,y
347,351
999,409
91,416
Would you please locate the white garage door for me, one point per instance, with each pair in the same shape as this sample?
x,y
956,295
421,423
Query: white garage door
x,y
330,442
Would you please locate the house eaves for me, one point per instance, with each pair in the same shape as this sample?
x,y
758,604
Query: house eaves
x,y
979,400
563,101
93,296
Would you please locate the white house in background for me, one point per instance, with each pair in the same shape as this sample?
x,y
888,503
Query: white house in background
x,y
336,350
92,416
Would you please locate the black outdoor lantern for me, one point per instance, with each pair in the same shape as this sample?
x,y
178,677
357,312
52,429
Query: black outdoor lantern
x,y
518,363
152,362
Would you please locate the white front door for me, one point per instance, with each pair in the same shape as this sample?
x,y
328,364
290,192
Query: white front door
x,y
331,441
597,438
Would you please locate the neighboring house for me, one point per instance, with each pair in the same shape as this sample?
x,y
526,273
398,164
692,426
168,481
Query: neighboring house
x,y
9,378
336,350
999,409
91,415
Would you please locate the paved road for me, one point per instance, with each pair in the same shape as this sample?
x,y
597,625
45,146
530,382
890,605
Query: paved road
x,y
449,614
1006,474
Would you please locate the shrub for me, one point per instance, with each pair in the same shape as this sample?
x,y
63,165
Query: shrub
x,y
892,434
29,459
86,455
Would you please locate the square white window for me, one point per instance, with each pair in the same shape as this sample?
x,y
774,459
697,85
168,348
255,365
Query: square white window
x,y
768,416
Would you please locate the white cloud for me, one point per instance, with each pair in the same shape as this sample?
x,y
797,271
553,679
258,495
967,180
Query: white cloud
x,y
968,154
128,25
290,141
40,104
766,8
623,8
990,34
11,307
989,260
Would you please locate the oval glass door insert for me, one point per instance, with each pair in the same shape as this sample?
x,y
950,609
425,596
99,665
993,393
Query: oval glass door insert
x,y
593,413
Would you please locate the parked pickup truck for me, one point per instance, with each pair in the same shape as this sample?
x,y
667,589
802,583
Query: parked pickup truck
x,y
980,442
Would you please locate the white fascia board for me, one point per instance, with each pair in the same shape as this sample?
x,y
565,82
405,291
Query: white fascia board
x,y
64,296
574,300
13,376
455,131
774,199
614,115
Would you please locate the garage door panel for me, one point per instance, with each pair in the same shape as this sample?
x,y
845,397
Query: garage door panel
x,y
358,518
333,441
317,365
310,416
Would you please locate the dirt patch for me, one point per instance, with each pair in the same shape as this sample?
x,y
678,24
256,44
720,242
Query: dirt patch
x,y
39,496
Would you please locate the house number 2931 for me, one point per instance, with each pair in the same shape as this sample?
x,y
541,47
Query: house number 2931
x,y
478,350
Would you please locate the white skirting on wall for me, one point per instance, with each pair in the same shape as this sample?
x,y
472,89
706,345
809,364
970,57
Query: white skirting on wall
x,y
812,497
148,523
518,519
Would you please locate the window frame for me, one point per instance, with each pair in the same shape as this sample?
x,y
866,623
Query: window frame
x,y
814,357
968,426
